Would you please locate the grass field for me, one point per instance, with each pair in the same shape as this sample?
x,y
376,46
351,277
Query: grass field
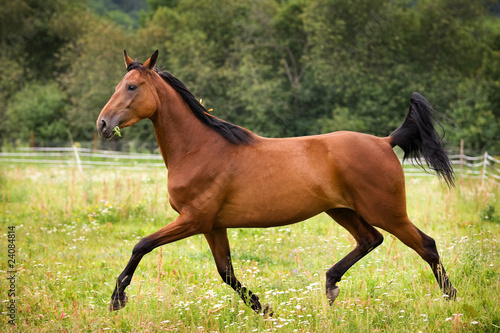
x,y
73,235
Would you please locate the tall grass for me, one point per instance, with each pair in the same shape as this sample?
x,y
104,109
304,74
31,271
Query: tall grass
x,y
74,235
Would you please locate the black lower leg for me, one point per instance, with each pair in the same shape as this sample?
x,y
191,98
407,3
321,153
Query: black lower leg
x,y
367,238
119,297
219,244
246,295
335,273
443,281
432,257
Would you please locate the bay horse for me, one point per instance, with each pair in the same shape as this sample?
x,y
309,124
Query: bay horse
x,y
223,176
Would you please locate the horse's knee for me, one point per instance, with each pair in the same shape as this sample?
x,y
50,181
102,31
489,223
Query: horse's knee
x,y
142,247
370,241
378,238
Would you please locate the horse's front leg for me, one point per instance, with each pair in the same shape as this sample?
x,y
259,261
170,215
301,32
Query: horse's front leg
x,y
181,227
219,244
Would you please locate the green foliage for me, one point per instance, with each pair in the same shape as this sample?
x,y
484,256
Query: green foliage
x,y
384,50
38,109
473,116
11,74
279,68
93,74
116,130
489,214
123,12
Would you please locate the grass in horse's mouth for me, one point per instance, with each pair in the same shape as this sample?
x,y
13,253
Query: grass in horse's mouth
x,y
116,130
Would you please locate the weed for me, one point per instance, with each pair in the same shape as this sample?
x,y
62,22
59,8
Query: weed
x,y
489,214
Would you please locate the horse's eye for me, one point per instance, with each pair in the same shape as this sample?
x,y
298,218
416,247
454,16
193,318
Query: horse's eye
x,y
131,87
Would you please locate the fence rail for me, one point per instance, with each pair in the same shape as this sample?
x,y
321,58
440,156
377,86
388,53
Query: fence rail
x,y
482,167
81,158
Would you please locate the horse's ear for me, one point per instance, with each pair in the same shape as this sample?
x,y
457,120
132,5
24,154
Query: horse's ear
x,y
151,62
128,60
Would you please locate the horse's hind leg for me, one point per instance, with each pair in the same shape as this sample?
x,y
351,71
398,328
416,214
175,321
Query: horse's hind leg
x,y
425,246
219,244
367,238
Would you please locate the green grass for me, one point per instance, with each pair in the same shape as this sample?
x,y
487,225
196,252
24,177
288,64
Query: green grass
x,y
74,235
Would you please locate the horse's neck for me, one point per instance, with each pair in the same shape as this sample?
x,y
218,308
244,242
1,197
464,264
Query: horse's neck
x,y
177,129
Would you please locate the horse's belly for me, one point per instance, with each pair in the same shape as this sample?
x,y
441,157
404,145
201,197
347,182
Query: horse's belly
x,y
274,208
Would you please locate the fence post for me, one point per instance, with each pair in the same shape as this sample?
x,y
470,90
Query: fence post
x,y
94,144
485,164
78,162
461,157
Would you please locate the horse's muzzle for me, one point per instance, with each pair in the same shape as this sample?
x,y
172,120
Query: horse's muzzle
x,y
105,129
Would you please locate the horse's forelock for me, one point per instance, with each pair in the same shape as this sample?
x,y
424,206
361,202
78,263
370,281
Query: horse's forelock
x,y
134,65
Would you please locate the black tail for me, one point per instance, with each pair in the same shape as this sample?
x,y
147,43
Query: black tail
x,y
418,137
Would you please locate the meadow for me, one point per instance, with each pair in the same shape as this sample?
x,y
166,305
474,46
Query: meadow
x,y
74,233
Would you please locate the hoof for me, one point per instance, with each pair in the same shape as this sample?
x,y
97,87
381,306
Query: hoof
x,y
332,293
452,294
268,311
118,302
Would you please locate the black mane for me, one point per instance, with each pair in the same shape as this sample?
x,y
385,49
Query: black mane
x,y
233,133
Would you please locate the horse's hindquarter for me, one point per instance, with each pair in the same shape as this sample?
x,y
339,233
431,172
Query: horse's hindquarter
x,y
283,181
373,177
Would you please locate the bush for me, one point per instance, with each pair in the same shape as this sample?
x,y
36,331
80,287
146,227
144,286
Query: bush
x,y
489,214
38,109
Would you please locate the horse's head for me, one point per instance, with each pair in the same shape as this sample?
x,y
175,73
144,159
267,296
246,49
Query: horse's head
x,y
135,98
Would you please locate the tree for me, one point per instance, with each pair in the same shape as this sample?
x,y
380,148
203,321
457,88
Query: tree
x,y
96,66
38,109
374,54
277,67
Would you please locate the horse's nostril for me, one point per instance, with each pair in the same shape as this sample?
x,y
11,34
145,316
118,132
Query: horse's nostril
x,y
103,125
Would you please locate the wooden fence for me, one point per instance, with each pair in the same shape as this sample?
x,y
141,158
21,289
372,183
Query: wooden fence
x,y
81,158
481,167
